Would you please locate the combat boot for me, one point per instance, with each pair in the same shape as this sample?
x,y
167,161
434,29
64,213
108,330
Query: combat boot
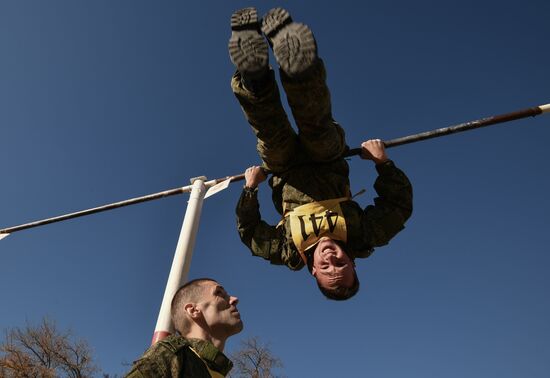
x,y
247,47
293,44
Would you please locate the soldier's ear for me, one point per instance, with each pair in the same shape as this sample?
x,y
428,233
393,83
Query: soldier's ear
x,y
192,310
314,271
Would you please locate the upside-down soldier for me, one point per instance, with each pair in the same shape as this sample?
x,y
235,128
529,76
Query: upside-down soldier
x,y
321,227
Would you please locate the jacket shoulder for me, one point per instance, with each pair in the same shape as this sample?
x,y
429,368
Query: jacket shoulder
x,y
161,359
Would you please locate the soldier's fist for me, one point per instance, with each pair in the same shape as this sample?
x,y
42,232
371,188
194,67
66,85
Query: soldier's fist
x,y
374,150
254,176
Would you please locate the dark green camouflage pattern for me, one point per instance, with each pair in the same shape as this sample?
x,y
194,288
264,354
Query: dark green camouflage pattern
x,y
173,358
367,228
307,167
320,138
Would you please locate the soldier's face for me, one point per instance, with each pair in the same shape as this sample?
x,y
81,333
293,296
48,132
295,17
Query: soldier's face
x,y
332,267
219,311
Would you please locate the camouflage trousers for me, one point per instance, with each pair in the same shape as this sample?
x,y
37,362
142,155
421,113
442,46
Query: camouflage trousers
x,y
319,137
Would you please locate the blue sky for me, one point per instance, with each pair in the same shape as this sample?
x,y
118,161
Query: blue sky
x,y
106,100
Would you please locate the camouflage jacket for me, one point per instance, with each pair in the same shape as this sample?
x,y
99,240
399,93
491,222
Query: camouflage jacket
x,y
174,358
366,228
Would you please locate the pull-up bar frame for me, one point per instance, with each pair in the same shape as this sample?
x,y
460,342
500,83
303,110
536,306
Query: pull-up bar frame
x,y
502,118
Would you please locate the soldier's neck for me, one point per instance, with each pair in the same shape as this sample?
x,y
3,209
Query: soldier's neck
x,y
200,333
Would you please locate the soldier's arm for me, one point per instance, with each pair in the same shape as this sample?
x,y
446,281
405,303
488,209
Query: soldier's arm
x,y
393,206
262,239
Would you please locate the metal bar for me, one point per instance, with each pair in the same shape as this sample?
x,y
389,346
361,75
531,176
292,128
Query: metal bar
x,y
116,205
529,112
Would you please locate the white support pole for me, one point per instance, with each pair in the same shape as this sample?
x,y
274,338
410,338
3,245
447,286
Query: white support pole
x,y
182,258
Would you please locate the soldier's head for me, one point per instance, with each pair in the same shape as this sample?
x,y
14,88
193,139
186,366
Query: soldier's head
x,y
334,270
202,307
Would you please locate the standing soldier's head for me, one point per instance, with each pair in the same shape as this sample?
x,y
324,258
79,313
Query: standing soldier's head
x,y
202,309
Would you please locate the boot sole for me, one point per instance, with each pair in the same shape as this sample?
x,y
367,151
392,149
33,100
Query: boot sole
x,y
274,20
293,44
247,48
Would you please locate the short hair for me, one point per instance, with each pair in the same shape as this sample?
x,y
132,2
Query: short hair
x,y
191,292
338,293
341,293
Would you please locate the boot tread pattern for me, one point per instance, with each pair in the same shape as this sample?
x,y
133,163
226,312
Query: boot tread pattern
x,y
248,50
246,18
293,43
274,21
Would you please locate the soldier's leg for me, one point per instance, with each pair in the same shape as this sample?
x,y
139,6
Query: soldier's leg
x,y
304,80
256,90
309,98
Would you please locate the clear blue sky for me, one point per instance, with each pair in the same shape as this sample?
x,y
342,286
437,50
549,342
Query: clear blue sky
x,y
106,100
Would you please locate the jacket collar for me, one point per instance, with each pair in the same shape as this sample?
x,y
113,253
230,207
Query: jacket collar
x,y
215,359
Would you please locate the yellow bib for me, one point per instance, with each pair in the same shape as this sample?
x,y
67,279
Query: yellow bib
x,y
312,221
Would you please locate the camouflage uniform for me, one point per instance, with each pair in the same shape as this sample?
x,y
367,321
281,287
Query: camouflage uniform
x,y
173,357
308,167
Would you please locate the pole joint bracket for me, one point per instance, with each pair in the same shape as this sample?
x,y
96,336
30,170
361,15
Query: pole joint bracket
x,y
202,178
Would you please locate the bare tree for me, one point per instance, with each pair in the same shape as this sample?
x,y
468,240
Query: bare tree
x,y
44,352
254,360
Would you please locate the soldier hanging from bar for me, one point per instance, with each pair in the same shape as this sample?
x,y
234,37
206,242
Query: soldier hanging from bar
x,y
321,227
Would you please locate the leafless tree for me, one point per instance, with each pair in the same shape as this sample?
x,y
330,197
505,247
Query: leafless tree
x,y
44,352
254,360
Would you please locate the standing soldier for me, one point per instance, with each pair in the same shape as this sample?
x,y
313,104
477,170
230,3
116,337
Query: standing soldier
x,y
204,316
322,228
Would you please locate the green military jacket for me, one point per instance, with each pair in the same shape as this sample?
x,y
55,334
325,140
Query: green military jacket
x,y
367,228
174,358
